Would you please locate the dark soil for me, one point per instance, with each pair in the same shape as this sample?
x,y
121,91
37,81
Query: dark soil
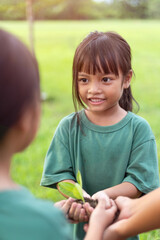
x,y
93,203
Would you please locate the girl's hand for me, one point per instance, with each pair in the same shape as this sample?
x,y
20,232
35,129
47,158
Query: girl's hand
x,y
98,195
77,213
85,194
102,195
112,233
74,211
64,205
127,208
102,214
100,219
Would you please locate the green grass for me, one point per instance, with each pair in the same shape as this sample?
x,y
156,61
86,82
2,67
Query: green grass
x,y
55,43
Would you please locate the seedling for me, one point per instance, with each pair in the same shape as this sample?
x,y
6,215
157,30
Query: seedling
x,y
73,190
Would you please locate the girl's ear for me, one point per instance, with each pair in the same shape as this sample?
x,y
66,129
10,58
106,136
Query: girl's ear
x,y
24,120
127,79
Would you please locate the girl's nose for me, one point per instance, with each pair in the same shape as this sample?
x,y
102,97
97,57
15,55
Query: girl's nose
x,y
94,88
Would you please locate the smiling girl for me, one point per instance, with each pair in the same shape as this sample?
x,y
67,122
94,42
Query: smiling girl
x,y
113,148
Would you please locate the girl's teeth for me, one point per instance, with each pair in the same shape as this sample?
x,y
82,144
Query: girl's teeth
x,y
96,100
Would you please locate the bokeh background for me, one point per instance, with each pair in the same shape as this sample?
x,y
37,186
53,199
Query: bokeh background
x,y
52,29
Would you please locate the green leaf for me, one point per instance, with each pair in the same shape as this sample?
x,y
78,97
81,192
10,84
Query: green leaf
x,y
71,190
67,189
79,178
80,190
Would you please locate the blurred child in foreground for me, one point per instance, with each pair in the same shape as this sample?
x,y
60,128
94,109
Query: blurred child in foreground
x,y
22,216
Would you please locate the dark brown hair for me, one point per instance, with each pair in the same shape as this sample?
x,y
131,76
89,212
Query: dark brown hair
x,y
19,80
107,51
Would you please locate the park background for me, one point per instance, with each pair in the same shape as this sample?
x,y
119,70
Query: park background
x,y
53,29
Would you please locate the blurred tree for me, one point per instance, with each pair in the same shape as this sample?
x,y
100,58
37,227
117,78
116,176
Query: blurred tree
x,y
81,9
67,9
154,9
132,8
29,14
45,9
12,9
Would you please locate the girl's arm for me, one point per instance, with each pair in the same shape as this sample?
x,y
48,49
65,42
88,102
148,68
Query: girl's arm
x,y
124,189
136,216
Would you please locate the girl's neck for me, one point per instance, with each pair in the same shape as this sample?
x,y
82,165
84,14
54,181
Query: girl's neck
x,y
106,119
6,182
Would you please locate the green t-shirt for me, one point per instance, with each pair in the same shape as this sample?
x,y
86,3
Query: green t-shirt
x,y
23,217
105,155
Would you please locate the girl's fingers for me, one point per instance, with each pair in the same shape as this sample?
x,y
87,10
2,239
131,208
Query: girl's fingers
x,y
102,195
114,207
124,205
76,213
85,227
72,210
82,216
88,209
102,203
60,204
113,204
121,201
66,206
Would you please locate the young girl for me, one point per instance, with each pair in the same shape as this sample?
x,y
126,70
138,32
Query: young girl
x,y
21,215
113,148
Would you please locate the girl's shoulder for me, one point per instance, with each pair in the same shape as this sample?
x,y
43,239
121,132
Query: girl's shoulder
x,y
68,120
139,121
141,126
67,124
40,216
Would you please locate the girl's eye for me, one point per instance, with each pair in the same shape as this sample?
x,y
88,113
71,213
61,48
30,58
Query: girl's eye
x,y
83,80
106,79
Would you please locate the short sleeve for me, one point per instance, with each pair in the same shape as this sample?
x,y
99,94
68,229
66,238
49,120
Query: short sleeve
x,y
58,166
142,170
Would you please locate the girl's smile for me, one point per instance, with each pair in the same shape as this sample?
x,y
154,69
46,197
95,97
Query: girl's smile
x,y
96,101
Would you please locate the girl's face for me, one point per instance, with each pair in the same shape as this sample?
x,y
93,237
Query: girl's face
x,y
101,92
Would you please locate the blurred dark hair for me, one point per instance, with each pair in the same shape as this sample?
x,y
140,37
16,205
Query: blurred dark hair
x,y
107,51
19,80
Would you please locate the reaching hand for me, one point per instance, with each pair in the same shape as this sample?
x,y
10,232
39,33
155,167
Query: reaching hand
x,y
97,196
126,207
100,219
102,195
